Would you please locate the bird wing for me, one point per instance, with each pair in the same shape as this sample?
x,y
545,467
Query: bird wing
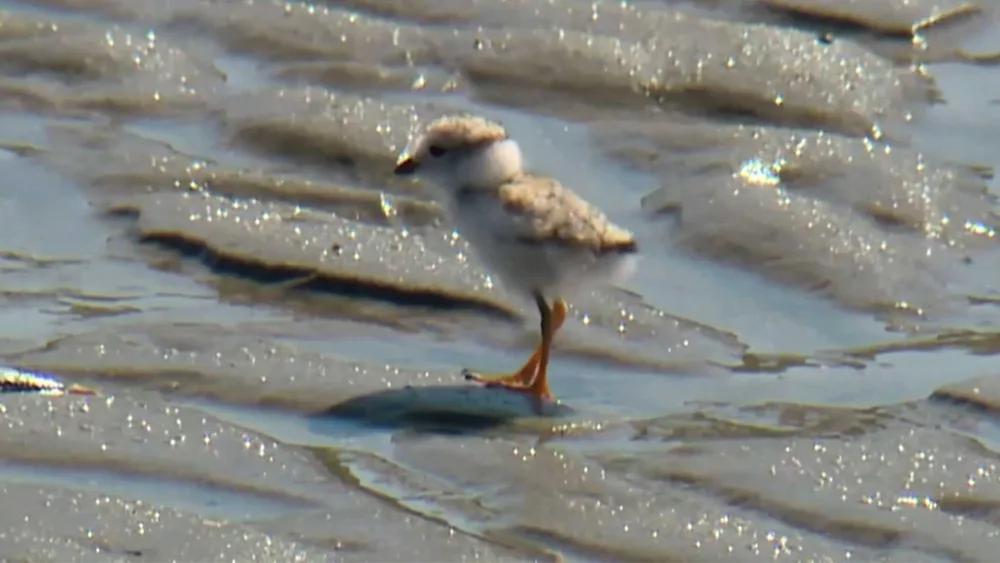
x,y
546,212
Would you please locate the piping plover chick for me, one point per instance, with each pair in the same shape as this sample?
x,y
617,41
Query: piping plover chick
x,y
536,235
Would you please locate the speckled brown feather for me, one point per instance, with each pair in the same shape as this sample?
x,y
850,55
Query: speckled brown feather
x,y
464,130
552,213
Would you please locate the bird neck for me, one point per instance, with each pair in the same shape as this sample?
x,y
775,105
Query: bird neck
x,y
493,165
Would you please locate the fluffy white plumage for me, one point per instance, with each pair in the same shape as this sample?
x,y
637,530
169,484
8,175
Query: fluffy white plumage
x,y
535,234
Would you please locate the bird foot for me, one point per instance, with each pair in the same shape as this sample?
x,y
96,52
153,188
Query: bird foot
x,y
516,382
507,380
75,389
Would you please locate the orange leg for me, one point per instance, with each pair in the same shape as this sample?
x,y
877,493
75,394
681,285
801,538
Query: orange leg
x,y
532,378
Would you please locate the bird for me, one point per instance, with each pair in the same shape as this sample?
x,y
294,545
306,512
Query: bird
x,y
540,238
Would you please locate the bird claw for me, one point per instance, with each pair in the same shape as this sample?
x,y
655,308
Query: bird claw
x,y
514,381
511,383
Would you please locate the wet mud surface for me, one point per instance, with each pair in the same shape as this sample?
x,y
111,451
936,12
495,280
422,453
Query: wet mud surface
x,y
232,334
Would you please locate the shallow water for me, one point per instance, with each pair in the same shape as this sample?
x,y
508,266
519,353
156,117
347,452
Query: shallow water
x,y
201,224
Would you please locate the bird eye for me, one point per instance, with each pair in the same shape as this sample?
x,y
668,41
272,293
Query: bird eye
x,y
436,151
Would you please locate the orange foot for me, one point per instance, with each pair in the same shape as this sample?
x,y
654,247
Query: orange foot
x,y
532,378
75,389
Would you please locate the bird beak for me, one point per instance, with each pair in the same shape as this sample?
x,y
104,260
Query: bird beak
x,y
405,167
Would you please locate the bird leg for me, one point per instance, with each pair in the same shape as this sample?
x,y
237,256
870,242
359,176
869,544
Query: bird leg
x,y
532,377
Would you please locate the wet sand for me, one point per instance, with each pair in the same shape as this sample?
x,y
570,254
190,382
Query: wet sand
x,y
202,227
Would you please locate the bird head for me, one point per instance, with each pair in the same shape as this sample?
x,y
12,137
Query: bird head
x,y
459,152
